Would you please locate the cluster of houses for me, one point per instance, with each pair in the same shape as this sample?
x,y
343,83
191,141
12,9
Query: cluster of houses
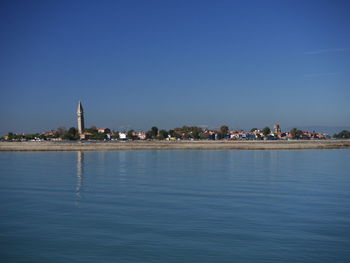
x,y
257,134
114,135
254,134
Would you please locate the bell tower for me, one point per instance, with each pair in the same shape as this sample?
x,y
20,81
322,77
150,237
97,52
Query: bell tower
x,y
80,115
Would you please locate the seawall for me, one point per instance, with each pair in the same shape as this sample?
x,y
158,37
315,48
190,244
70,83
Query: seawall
x,y
174,145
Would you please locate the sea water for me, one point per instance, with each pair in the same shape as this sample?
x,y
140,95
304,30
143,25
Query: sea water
x,y
175,206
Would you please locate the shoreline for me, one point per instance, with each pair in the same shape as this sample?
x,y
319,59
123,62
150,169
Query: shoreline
x,y
174,145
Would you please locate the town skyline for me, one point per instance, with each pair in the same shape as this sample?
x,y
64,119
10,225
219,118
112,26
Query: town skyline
x,y
79,115
193,132
167,64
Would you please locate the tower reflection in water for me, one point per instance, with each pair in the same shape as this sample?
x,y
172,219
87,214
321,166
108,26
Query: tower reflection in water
x,y
80,177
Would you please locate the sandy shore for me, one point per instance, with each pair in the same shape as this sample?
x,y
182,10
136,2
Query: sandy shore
x,y
180,145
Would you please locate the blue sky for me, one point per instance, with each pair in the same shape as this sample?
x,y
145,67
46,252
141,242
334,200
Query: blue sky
x,y
136,64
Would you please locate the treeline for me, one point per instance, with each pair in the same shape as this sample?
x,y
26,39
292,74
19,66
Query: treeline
x,y
18,137
73,134
344,134
61,133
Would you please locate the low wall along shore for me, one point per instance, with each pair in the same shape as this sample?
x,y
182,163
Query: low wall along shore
x,y
175,145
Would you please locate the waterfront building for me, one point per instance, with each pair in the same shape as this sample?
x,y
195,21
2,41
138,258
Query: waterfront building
x,y
122,135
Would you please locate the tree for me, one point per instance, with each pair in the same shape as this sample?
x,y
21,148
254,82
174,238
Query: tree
x,y
253,129
73,131
223,132
61,131
148,135
297,134
115,135
71,134
42,136
154,131
98,136
266,131
344,134
186,132
92,130
163,134
224,129
172,133
10,136
13,137
130,135
195,134
293,132
204,136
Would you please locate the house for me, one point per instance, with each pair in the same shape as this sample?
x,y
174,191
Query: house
x,y
103,130
85,135
50,134
141,135
122,135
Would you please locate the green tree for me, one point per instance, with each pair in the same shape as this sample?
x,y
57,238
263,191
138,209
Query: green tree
x,y
29,137
130,135
72,130
42,136
203,136
61,131
297,134
71,134
98,136
253,129
223,132
266,131
163,134
344,134
13,137
148,135
115,135
154,131
186,132
92,130
172,133
195,134
224,129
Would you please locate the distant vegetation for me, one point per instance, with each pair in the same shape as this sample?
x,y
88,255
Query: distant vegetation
x,y
185,132
344,134
296,134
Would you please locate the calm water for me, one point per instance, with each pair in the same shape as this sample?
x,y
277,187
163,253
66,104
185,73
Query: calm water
x,y
175,206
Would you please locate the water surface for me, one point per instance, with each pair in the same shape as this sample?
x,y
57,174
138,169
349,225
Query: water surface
x,y
175,206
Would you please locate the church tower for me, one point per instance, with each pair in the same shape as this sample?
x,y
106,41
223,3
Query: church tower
x,y
80,113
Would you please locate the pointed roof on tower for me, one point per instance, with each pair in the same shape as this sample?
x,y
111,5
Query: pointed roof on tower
x,y
80,108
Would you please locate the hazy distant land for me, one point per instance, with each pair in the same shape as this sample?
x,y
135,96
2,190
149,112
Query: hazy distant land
x,y
174,145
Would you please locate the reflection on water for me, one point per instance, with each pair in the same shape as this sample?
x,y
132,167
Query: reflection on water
x,y
80,176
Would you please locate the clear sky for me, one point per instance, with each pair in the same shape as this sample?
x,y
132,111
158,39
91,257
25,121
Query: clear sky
x,y
136,64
